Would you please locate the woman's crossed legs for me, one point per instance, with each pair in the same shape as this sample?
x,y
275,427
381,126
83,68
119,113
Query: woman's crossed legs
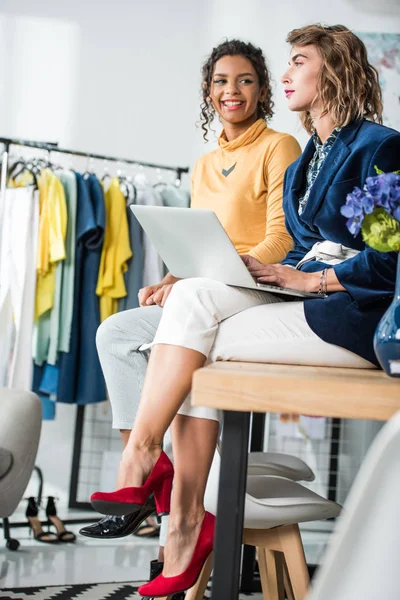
x,y
204,319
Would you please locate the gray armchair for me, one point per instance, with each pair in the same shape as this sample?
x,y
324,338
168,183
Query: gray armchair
x,y
20,425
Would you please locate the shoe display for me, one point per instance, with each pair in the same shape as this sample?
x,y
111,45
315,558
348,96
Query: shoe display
x,y
166,586
127,500
51,514
32,510
112,526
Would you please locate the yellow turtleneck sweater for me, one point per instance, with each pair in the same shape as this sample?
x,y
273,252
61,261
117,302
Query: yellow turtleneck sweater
x,y
242,182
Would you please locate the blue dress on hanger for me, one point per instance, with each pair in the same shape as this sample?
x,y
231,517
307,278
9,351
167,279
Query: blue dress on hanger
x,y
134,275
81,379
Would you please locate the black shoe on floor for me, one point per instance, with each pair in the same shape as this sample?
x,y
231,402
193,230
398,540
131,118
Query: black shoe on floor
x,y
156,568
116,527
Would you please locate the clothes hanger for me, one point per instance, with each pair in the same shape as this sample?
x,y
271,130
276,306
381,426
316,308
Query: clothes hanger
x,y
106,174
132,192
26,166
160,182
89,167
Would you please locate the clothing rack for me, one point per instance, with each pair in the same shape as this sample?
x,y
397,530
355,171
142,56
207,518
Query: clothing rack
x,y
53,147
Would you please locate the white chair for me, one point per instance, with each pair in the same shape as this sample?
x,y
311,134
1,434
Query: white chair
x,y
363,558
20,425
276,463
273,508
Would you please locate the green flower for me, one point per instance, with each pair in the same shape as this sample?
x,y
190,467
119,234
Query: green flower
x,y
381,232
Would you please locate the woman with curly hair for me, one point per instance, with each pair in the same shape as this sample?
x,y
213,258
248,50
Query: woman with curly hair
x,y
332,85
242,182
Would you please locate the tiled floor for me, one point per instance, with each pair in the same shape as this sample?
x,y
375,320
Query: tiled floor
x,y
92,561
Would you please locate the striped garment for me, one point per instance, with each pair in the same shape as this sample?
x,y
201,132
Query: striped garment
x,y
315,165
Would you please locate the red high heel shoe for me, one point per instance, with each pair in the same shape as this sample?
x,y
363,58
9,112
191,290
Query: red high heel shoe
x,y
166,586
126,500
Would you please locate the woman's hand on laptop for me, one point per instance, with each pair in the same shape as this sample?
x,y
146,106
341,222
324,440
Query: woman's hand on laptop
x,y
281,275
250,262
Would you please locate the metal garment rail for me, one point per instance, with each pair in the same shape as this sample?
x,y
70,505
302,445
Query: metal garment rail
x,y
54,148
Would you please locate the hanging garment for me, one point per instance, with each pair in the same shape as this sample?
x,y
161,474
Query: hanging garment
x,y
61,318
80,377
17,285
172,195
153,266
52,230
134,275
115,254
40,387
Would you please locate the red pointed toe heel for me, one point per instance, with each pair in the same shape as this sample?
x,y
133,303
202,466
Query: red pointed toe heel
x,y
127,500
166,586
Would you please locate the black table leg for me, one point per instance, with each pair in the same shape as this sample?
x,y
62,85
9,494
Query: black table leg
x,y
257,432
231,495
247,583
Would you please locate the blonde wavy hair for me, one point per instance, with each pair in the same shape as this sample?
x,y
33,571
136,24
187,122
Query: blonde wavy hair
x,y
348,84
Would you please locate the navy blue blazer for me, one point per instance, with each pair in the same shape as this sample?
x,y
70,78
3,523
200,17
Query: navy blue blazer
x,y
347,319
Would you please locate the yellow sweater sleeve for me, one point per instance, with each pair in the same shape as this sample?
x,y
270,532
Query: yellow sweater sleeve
x,y
277,241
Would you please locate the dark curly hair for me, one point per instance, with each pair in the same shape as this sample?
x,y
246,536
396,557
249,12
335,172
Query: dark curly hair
x,y
255,56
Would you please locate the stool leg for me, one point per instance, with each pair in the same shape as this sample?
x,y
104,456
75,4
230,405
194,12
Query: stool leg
x,y
279,568
271,575
199,589
293,550
286,582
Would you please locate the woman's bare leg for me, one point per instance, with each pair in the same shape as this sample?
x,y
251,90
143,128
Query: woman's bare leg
x,y
167,383
125,433
194,441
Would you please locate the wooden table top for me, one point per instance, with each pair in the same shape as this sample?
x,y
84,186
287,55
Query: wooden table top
x,y
318,391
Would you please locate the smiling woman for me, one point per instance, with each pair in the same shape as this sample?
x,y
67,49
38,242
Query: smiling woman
x,y
251,157
242,182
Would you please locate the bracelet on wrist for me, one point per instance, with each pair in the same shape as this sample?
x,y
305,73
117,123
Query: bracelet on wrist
x,y
323,286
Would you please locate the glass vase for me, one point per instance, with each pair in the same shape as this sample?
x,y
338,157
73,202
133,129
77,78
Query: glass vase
x,y
387,334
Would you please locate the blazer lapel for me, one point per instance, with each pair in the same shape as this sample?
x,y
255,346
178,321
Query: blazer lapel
x,y
336,157
299,176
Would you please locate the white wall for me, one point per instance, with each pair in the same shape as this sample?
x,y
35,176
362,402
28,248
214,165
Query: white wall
x,y
123,78
119,78
267,23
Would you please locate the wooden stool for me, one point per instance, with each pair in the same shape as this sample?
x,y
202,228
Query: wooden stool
x,y
273,508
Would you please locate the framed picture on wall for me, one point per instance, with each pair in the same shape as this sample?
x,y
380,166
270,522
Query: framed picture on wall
x,y
384,53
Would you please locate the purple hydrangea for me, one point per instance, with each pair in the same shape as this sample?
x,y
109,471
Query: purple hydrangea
x,y
381,191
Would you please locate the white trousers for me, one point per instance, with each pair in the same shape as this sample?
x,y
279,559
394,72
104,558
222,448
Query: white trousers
x,y
229,323
17,285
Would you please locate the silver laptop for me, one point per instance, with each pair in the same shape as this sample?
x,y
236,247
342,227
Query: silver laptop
x,y
193,243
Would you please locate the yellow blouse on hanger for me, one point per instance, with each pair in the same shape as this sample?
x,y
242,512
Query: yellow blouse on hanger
x,y
52,231
116,252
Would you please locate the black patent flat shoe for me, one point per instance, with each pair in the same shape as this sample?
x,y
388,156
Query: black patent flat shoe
x,y
115,527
